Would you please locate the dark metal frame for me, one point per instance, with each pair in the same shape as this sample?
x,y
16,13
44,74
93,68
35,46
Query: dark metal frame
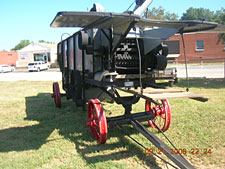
x,y
125,101
178,159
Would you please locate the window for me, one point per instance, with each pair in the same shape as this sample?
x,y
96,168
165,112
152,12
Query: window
x,y
42,57
38,57
49,57
173,46
200,45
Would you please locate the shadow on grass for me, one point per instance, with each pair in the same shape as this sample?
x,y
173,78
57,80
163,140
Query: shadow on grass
x,y
70,123
29,137
203,83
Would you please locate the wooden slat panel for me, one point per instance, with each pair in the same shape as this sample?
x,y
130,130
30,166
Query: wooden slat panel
x,y
133,76
177,96
155,91
165,94
172,95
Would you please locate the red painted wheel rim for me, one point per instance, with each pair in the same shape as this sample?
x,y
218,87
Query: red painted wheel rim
x,y
162,114
56,94
96,121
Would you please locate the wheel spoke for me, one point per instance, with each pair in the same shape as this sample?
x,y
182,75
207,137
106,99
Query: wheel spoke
x,y
94,132
157,117
96,122
160,122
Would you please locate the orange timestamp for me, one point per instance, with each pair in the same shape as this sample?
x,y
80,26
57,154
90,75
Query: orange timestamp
x,y
181,151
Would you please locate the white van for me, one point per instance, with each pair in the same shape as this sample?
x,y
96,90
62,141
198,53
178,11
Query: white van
x,y
38,66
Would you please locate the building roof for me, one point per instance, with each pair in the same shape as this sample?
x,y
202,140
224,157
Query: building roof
x,y
37,46
49,45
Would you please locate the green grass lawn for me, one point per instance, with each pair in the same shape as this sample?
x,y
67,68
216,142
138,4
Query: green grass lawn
x,y
35,134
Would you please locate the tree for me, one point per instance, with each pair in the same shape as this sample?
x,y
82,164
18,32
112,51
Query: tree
x,y
221,37
207,15
161,14
198,14
21,45
220,18
43,41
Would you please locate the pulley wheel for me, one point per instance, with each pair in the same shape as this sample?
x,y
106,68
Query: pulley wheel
x,y
162,114
97,121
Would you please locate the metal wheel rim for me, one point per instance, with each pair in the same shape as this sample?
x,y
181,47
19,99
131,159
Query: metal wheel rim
x,y
56,94
97,121
163,119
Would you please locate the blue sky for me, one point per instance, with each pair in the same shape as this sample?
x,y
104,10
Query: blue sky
x,y
30,19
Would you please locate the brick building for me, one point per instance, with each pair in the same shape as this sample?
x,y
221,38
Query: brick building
x,y
8,58
198,46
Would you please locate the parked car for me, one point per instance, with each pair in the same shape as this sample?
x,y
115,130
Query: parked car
x,y
6,68
38,66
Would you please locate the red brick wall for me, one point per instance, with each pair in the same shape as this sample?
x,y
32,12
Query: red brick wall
x,y
8,58
212,49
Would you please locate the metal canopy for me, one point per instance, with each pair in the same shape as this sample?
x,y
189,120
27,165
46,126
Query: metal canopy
x,y
104,20
187,26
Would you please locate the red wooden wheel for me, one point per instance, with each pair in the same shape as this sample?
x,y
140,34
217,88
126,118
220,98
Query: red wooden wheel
x,y
162,114
97,121
56,94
